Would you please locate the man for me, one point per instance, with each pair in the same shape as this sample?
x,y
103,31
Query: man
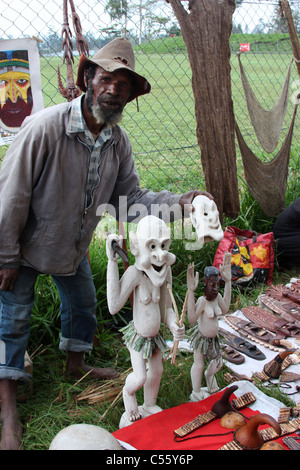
x,y
66,162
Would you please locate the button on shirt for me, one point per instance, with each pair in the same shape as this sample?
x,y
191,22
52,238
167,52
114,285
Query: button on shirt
x,y
78,125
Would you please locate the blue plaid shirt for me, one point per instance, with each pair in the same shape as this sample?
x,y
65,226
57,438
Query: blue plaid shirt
x,y
78,125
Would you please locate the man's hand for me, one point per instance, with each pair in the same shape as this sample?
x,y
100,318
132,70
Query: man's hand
x,y
8,277
187,199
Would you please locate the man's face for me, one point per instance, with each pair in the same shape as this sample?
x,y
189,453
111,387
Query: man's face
x,y
107,94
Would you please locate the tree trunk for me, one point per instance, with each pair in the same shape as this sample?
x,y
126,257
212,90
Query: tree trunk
x,y
292,32
206,27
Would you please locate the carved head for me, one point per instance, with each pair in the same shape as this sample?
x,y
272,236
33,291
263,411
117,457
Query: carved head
x,y
205,220
150,246
211,282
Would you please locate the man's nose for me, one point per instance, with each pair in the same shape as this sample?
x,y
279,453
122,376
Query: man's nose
x,y
113,88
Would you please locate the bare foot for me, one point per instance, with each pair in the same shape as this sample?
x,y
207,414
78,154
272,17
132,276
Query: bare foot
x,y
11,433
97,373
131,406
76,368
151,409
198,396
135,416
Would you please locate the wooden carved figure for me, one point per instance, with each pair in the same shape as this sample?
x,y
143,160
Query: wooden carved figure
x,y
205,219
204,315
148,280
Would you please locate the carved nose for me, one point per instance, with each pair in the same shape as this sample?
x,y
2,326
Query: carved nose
x,y
159,255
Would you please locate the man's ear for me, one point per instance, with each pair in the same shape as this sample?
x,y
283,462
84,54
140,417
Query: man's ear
x,y
133,244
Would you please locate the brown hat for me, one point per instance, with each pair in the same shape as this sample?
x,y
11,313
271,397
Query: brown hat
x,y
116,55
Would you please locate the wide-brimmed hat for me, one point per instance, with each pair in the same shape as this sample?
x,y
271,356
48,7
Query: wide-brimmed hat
x,y
116,55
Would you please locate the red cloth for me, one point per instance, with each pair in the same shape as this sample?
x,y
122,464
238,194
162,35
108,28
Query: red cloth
x,y
156,432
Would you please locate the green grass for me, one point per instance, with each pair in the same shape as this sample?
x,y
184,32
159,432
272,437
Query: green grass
x,y
167,156
267,43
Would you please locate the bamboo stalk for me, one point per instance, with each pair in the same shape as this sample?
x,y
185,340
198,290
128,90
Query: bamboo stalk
x,y
181,321
173,302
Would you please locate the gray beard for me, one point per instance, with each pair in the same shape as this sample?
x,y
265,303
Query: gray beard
x,y
111,119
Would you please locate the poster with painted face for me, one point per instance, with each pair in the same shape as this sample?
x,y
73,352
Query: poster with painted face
x,y
20,89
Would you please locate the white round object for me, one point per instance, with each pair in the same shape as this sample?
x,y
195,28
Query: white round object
x,y
84,437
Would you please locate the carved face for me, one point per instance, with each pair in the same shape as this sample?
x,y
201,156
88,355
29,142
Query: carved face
x,y
211,287
15,89
205,219
15,98
150,245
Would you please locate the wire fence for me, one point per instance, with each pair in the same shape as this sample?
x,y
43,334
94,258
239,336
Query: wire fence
x,y
164,129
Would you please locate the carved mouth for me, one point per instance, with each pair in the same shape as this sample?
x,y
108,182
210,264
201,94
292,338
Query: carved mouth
x,y
157,268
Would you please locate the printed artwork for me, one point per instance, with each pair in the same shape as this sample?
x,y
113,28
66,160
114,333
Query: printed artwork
x,y
20,85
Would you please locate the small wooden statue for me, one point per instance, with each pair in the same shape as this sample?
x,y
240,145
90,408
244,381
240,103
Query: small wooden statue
x,y
204,315
147,279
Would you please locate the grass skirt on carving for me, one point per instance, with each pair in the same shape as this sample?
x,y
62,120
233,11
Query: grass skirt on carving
x,y
209,347
149,345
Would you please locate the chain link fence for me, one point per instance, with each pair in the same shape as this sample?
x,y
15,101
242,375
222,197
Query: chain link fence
x,y
163,131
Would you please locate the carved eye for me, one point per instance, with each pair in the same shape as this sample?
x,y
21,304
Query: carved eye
x,y
163,245
152,246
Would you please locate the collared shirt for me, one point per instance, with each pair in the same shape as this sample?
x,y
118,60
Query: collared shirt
x,y
78,125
